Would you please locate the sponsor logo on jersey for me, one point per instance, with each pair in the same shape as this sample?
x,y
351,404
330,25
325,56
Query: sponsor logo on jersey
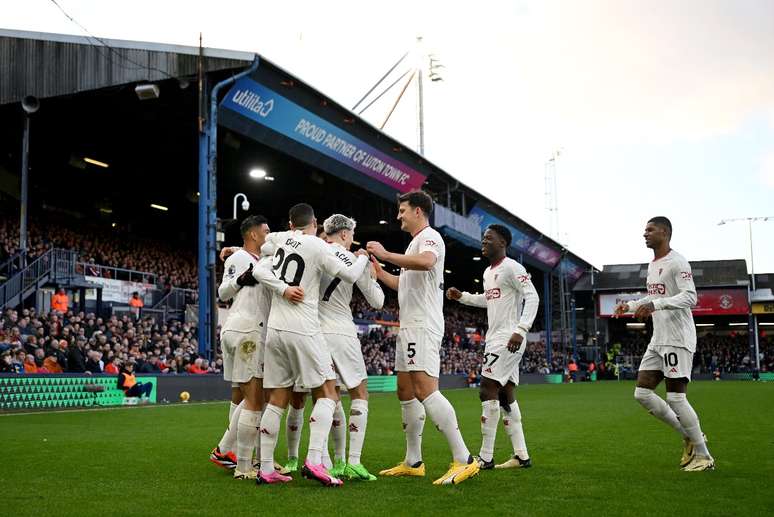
x,y
523,278
231,270
492,294
656,289
686,275
432,243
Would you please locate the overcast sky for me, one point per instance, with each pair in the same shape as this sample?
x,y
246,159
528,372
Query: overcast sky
x,y
659,107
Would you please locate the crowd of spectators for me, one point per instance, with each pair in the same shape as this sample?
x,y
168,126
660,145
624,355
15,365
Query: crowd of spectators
x,y
33,343
174,266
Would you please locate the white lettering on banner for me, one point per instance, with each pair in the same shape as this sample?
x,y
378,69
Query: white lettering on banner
x,y
608,302
118,291
350,151
253,102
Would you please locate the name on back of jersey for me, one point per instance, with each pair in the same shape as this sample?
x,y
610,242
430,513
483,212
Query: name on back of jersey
x,y
344,258
293,243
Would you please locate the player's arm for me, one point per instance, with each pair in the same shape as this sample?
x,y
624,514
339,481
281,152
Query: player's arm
x,y
522,281
233,269
422,261
631,306
384,277
263,274
686,297
370,288
466,298
336,268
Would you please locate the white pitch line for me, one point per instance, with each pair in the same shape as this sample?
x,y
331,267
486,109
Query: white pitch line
x,y
90,409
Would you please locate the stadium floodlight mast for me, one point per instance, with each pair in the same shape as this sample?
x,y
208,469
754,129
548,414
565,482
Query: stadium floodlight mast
x,y
751,220
245,204
30,105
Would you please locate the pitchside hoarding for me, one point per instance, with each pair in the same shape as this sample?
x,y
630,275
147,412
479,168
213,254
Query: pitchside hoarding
x,y
270,109
711,302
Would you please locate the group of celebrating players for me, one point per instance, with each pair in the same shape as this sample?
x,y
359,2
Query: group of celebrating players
x,y
290,331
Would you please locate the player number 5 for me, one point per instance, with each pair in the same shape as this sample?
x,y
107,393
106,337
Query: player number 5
x,y
412,350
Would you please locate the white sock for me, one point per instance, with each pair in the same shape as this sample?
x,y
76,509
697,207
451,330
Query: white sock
x,y
319,427
293,426
257,448
358,420
228,440
413,413
326,454
657,407
514,430
339,432
270,426
246,431
490,415
689,420
445,419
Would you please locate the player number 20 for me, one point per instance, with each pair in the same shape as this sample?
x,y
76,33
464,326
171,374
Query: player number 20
x,y
282,263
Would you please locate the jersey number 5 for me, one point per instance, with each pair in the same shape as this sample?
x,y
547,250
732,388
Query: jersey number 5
x,y
282,263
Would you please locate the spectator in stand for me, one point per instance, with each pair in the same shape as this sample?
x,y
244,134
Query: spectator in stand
x,y
60,302
136,303
93,364
51,365
196,367
112,367
76,356
5,362
29,364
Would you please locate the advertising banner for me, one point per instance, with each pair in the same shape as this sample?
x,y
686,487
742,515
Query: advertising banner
x,y
63,391
118,291
270,109
711,302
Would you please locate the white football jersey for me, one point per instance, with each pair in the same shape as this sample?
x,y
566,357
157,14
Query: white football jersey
x,y
301,260
335,310
420,293
250,308
510,299
673,293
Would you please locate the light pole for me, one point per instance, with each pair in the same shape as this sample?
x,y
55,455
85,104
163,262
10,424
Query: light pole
x,y
751,220
245,204
30,105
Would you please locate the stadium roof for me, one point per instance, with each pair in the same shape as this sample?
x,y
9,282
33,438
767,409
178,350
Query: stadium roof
x,y
706,273
75,64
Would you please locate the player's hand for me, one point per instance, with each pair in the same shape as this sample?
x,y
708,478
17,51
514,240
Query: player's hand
x,y
375,248
620,309
377,268
453,293
247,278
226,252
361,252
294,294
515,342
644,311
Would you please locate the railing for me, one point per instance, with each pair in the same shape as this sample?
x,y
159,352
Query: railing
x,y
27,278
116,273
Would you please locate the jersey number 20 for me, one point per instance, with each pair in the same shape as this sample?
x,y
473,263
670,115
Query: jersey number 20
x,y
282,262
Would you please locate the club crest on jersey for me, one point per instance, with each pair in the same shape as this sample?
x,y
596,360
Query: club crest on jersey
x,y
247,348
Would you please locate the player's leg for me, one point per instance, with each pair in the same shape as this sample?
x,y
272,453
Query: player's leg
x,y
316,371
678,363
490,415
294,424
247,428
278,377
339,435
222,455
511,413
358,422
412,411
649,376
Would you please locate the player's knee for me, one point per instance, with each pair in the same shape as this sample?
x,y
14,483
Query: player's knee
x,y
674,398
641,395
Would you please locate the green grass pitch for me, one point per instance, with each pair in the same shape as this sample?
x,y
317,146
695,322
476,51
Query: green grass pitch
x,y
595,452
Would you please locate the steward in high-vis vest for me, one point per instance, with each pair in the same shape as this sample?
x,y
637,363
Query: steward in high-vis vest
x,y
128,383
